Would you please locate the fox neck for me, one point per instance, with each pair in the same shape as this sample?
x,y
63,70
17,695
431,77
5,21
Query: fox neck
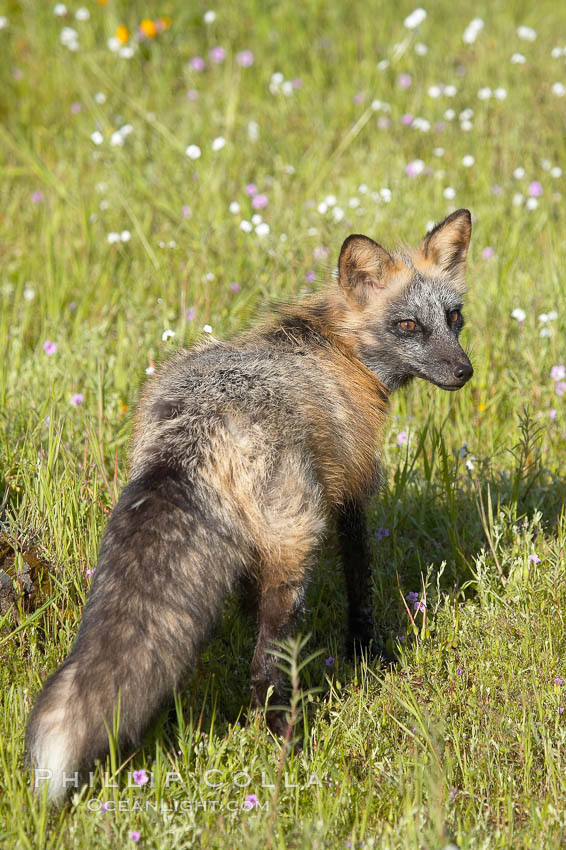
x,y
329,313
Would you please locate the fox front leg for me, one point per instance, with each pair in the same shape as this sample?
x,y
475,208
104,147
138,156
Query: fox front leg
x,y
356,561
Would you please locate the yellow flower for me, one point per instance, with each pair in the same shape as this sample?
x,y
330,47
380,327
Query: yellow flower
x,y
148,28
481,406
102,2
123,34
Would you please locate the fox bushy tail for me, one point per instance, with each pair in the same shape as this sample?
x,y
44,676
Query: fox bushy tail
x,y
165,565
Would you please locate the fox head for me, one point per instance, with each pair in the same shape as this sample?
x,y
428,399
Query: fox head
x,y
405,309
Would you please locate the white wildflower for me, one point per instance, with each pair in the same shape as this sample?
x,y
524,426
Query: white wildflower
x,y
415,19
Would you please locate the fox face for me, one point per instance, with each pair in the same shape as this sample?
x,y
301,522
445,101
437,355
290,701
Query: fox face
x,y
405,309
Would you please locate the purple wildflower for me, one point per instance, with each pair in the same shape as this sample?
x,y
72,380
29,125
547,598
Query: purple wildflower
x,y
190,314
192,94
251,189
487,252
140,776
197,63
105,806
534,559
245,58
217,55
558,681
90,573
404,80
37,197
76,399
560,388
459,671
135,836
310,276
402,438
535,189
329,661
235,287
407,119
320,253
297,83
259,202
251,801
50,347
552,413
558,373
187,211
76,107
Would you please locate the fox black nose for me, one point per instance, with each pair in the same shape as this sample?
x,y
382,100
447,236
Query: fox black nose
x,y
463,371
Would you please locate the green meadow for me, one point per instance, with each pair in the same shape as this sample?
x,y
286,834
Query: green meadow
x,y
169,171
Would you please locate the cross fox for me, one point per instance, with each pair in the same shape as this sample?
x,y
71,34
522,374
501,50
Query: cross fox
x,y
243,452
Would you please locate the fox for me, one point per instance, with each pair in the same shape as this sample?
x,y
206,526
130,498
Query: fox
x,y
244,453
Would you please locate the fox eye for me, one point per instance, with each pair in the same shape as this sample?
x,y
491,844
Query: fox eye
x,y
454,316
408,325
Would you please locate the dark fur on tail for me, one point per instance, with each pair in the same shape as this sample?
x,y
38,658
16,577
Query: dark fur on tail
x,y
153,602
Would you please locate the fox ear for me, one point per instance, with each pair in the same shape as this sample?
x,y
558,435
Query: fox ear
x,y
363,265
447,245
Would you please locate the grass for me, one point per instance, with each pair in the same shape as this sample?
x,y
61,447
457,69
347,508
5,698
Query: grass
x,y
464,739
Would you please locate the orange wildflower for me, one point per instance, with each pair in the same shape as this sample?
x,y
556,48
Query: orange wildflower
x,y
148,28
123,34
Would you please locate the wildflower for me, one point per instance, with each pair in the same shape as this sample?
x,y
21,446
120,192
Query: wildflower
x,y
257,218
262,229
382,533
449,193
90,573
415,168
518,59
558,373
217,55
209,17
559,89
234,207
534,559
148,28
187,211
105,806
556,171
484,93
531,204
560,388
468,160
29,293
245,58
558,681
82,14
329,661
246,226
251,189
125,236
459,671
253,131
402,438
60,10
37,197
487,252
337,213
96,138
535,189
168,334
100,98
526,33
207,329
197,63
434,91
259,202
218,143
421,124
150,370
500,93
320,253
251,801
135,836
552,414
421,49
76,399
517,199
190,313
310,277
235,287
50,347
122,34
75,107
438,151
193,151
140,777
472,31
407,119
69,38
519,314
415,19
404,80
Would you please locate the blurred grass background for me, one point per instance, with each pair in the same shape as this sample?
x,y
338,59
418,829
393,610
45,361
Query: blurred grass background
x,y
111,235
